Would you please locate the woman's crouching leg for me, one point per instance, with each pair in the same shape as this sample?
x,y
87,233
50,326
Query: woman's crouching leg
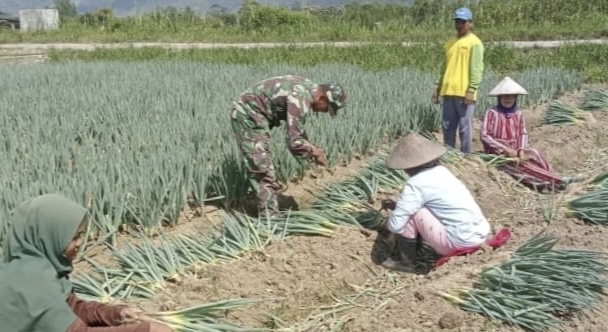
x,y
432,231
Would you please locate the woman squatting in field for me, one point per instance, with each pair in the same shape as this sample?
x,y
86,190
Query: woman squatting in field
x,y
434,205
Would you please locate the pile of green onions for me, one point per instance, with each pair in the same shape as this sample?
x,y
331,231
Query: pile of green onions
x,y
560,113
591,206
495,160
538,285
203,317
595,100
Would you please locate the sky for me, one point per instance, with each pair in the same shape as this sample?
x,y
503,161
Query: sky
x,y
122,7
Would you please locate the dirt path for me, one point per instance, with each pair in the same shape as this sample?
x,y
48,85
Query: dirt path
x,y
22,48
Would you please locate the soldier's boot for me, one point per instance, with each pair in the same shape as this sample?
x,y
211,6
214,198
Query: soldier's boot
x,y
268,206
267,213
267,191
268,203
403,255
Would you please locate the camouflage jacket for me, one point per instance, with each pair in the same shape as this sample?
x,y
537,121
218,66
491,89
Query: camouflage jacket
x,y
285,98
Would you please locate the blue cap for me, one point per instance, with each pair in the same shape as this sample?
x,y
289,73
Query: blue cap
x,y
464,14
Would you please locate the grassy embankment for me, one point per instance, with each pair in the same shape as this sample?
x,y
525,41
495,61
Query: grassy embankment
x,y
426,20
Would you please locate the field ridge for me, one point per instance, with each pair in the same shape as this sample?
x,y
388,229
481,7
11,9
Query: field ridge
x,y
84,46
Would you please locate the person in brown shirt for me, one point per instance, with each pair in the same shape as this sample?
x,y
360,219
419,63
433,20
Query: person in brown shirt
x,y
36,294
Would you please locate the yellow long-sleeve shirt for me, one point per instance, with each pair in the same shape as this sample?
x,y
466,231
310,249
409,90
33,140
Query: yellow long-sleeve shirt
x,y
463,67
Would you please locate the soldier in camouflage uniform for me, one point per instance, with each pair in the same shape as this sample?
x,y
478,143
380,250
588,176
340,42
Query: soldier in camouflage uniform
x,y
261,108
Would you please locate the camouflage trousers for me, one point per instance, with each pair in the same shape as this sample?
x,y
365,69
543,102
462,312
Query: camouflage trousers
x,y
253,140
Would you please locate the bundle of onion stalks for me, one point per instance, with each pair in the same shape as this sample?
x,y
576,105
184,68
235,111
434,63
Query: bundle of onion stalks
x,y
495,160
591,207
202,318
560,113
595,100
538,286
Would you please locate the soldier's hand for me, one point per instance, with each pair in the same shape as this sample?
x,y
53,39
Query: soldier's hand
x,y
321,159
319,156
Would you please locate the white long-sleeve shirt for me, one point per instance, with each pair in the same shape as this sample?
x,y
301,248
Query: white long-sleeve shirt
x,y
448,199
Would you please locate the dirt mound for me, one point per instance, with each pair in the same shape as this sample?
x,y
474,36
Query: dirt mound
x,y
304,271
573,146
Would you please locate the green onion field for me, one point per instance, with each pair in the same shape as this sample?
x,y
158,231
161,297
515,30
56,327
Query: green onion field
x,y
141,137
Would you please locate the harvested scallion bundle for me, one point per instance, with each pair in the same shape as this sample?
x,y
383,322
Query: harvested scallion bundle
x,y
109,287
240,234
560,113
203,317
538,285
386,178
346,197
495,160
600,181
595,100
304,223
591,206
452,156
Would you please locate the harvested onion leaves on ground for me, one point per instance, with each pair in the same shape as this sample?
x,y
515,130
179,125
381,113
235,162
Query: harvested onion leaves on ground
x,y
204,317
560,113
591,206
595,100
452,156
495,160
538,285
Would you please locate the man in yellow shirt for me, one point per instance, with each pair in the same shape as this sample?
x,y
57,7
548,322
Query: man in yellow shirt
x,y
461,75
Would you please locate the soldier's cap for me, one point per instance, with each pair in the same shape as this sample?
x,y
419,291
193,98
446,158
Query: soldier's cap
x,y
336,97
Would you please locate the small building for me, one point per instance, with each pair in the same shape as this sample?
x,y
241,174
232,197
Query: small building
x,y
38,19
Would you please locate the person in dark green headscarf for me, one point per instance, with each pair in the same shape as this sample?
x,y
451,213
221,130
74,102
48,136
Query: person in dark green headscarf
x,y
36,294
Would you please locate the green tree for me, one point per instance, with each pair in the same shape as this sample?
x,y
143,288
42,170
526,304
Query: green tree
x,y
66,9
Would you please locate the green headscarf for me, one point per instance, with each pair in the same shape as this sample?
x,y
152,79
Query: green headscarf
x,y
34,272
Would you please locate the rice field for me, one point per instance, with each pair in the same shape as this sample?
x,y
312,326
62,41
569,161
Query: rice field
x,y
140,143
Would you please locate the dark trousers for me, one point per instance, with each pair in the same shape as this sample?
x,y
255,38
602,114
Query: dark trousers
x,y
457,116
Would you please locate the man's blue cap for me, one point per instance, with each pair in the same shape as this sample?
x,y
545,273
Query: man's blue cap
x,y
464,14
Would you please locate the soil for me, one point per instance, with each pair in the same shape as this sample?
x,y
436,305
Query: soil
x,y
307,274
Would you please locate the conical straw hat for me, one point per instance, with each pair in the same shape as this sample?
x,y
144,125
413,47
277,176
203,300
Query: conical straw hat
x,y
508,87
412,151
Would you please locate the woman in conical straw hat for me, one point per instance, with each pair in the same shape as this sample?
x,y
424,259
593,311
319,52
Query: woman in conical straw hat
x,y
503,132
434,205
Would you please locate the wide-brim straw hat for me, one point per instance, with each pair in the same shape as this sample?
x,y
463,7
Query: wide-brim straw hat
x,y
507,87
414,150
